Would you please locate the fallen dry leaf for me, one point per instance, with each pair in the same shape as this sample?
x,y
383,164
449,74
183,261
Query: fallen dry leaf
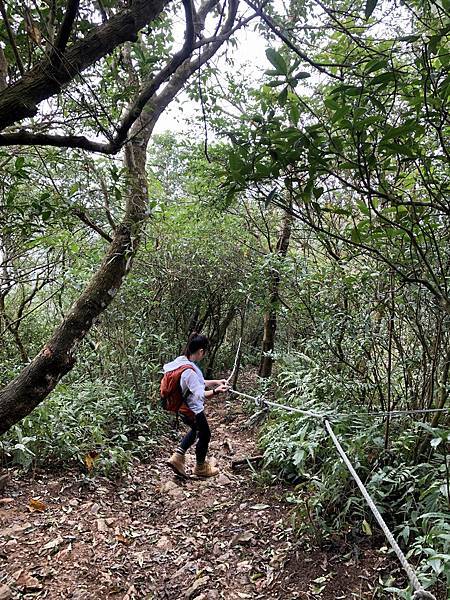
x,y
164,543
36,504
5,592
6,501
166,486
122,539
198,583
102,526
131,593
242,538
228,446
28,582
53,543
90,458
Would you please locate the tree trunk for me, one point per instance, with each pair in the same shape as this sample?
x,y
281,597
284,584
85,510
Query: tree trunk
x,y
57,357
270,317
49,76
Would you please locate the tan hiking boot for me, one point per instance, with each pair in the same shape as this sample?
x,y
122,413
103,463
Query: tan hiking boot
x,y
177,463
206,470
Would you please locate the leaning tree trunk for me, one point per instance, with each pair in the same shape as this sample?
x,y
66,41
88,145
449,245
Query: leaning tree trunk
x,y
57,357
270,317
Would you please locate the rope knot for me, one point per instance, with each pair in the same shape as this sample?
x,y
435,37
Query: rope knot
x,y
259,401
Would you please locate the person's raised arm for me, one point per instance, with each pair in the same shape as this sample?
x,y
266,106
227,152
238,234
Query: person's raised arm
x,y
220,389
210,383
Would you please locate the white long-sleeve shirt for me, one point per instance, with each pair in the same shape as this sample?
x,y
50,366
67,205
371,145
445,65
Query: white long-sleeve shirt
x,y
192,383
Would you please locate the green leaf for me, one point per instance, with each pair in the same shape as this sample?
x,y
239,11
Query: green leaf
x,y
301,75
277,61
366,528
318,191
383,78
375,65
20,161
236,163
356,236
434,43
353,90
282,96
294,113
331,103
340,113
336,210
370,7
408,38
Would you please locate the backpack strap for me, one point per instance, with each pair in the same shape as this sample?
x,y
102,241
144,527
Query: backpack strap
x,y
182,369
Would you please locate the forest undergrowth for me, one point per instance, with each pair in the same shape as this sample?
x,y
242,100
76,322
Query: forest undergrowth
x,y
303,211
106,432
248,540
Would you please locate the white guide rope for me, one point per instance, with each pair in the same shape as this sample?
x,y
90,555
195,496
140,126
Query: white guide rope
x,y
235,363
392,413
420,593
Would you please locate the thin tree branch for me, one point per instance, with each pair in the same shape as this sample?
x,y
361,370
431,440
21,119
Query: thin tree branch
x,y
78,212
11,38
277,31
66,28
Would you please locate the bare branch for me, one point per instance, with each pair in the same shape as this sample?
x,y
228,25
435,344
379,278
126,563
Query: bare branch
x,y
277,31
66,28
78,212
11,38
47,79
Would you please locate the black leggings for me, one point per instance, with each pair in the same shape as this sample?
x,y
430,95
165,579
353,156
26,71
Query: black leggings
x,y
198,427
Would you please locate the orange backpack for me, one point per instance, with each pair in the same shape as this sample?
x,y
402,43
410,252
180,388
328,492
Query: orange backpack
x,y
171,394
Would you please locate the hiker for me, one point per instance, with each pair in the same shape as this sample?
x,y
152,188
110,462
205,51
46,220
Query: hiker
x,y
192,410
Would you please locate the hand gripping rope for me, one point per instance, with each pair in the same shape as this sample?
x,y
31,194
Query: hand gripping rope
x,y
420,593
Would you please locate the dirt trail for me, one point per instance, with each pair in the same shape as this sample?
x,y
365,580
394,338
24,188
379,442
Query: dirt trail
x,y
153,536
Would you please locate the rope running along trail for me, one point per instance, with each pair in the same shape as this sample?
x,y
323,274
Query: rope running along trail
x,y
420,593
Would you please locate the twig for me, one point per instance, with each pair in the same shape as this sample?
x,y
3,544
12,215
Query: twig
x,y
12,41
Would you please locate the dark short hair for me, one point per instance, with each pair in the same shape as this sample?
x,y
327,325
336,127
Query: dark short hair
x,y
195,342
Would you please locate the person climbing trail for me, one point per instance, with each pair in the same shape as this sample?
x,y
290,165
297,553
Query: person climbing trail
x,y
184,374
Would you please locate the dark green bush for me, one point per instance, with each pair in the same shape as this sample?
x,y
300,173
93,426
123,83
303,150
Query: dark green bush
x,y
101,420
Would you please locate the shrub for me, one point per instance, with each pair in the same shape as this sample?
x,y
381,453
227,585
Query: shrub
x,y
412,495
100,425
